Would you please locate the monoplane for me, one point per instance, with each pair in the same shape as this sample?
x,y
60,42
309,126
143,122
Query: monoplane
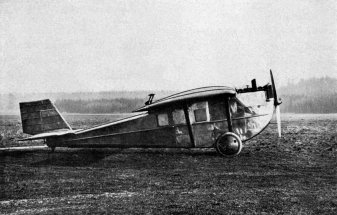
x,y
209,117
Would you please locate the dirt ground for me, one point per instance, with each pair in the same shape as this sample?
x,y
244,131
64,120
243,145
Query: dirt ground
x,y
296,174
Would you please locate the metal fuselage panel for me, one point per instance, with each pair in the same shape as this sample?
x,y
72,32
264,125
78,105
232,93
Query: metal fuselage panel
x,y
206,121
140,132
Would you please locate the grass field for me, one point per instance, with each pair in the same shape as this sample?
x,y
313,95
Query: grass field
x,y
296,174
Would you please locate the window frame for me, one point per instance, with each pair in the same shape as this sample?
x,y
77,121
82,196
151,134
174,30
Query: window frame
x,y
193,107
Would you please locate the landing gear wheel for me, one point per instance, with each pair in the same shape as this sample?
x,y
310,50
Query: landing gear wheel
x,y
228,144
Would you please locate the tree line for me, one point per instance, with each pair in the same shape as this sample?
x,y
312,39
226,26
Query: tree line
x,y
309,104
118,105
315,95
291,104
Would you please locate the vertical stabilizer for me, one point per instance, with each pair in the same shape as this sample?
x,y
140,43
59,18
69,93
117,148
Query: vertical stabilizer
x,y
40,117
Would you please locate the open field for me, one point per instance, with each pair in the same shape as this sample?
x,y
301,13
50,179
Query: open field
x,y
296,174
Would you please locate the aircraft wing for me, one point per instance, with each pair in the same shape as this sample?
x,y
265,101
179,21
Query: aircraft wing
x,y
54,133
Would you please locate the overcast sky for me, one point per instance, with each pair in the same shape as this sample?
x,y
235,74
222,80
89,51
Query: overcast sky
x,y
84,45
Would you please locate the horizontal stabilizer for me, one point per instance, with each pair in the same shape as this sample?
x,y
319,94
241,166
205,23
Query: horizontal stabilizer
x,y
51,134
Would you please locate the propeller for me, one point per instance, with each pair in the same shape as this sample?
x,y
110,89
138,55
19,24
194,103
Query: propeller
x,y
277,103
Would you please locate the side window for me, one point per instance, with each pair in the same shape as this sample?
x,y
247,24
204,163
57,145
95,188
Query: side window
x,y
200,111
217,110
178,116
200,115
162,119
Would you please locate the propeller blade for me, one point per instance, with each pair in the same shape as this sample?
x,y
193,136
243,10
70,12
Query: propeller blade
x,y
276,101
278,120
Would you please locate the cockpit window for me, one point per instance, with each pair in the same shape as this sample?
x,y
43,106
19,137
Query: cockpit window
x,y
253,98
253,102
238,109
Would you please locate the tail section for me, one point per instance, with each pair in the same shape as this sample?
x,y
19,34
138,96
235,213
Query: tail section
x,y
40,117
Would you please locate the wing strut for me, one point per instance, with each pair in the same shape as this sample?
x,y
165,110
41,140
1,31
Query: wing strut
x,y
228,114
188,123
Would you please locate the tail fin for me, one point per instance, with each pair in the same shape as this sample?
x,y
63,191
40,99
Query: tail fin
x,y
41,116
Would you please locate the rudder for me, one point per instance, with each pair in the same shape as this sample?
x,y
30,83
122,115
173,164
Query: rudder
x,y
41,116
